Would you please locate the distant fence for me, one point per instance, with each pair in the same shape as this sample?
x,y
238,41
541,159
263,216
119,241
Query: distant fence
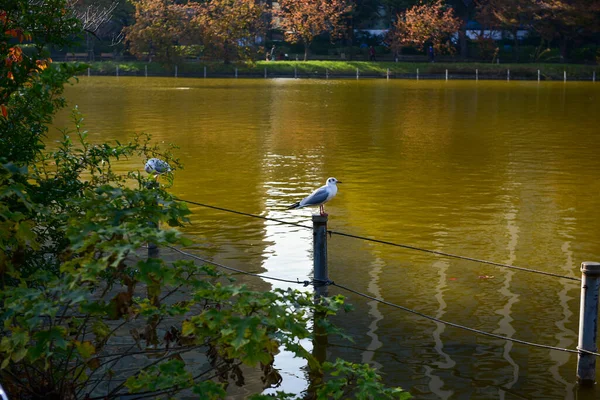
x,y
266,72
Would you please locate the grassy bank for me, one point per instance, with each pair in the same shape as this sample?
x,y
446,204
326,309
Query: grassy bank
x,y
347,69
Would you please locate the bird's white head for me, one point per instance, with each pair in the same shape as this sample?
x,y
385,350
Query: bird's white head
x,y
333,181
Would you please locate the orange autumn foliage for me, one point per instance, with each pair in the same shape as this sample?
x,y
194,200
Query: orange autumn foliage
x,y
303,20
426,23
15,67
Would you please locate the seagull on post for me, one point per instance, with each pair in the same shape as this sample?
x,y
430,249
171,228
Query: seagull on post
x,y
157,167
319,197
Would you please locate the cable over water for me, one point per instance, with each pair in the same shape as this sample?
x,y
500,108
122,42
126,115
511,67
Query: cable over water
x,y
466,328
441,321
385,242
304,283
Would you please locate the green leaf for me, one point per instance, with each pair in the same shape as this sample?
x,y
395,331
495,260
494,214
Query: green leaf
x,y
100,329
85,349
210,390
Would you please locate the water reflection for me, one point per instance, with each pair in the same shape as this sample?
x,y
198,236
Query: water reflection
x,y
492,170
436,383
505,328
566,337
374,273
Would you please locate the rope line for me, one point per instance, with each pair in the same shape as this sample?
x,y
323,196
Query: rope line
x,y
441,321
466,328
304,283
404,246
441,253
245,214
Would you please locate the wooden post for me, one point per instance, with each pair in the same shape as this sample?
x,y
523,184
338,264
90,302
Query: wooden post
x,y
320,338
153,251
588,322
320,272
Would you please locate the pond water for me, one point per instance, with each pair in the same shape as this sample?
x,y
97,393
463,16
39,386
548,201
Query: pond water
x,y
501,171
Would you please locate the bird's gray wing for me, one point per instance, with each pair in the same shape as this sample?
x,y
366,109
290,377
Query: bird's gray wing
x,y
162,166
316,198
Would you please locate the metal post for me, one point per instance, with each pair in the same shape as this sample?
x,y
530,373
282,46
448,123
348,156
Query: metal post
x,y
146,71
387,75
89,71
320,274
565,75
295,72
176,71
265,72
357,73
417,73
538,75
205,72
588,322
476,74
508,75
326,73
236,74
117,70
594,76
446,74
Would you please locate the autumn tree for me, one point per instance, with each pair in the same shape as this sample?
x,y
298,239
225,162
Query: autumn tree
x,y
228,28
425,23
303,20
564,21
507,15
161,29
29,90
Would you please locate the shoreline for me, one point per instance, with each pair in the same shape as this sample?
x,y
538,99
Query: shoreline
x,y
349,70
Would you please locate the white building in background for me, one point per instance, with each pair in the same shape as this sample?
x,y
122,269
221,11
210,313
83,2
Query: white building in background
x,y
474,34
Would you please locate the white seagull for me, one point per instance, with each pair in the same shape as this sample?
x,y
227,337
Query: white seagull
x,y
319,197
157,167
